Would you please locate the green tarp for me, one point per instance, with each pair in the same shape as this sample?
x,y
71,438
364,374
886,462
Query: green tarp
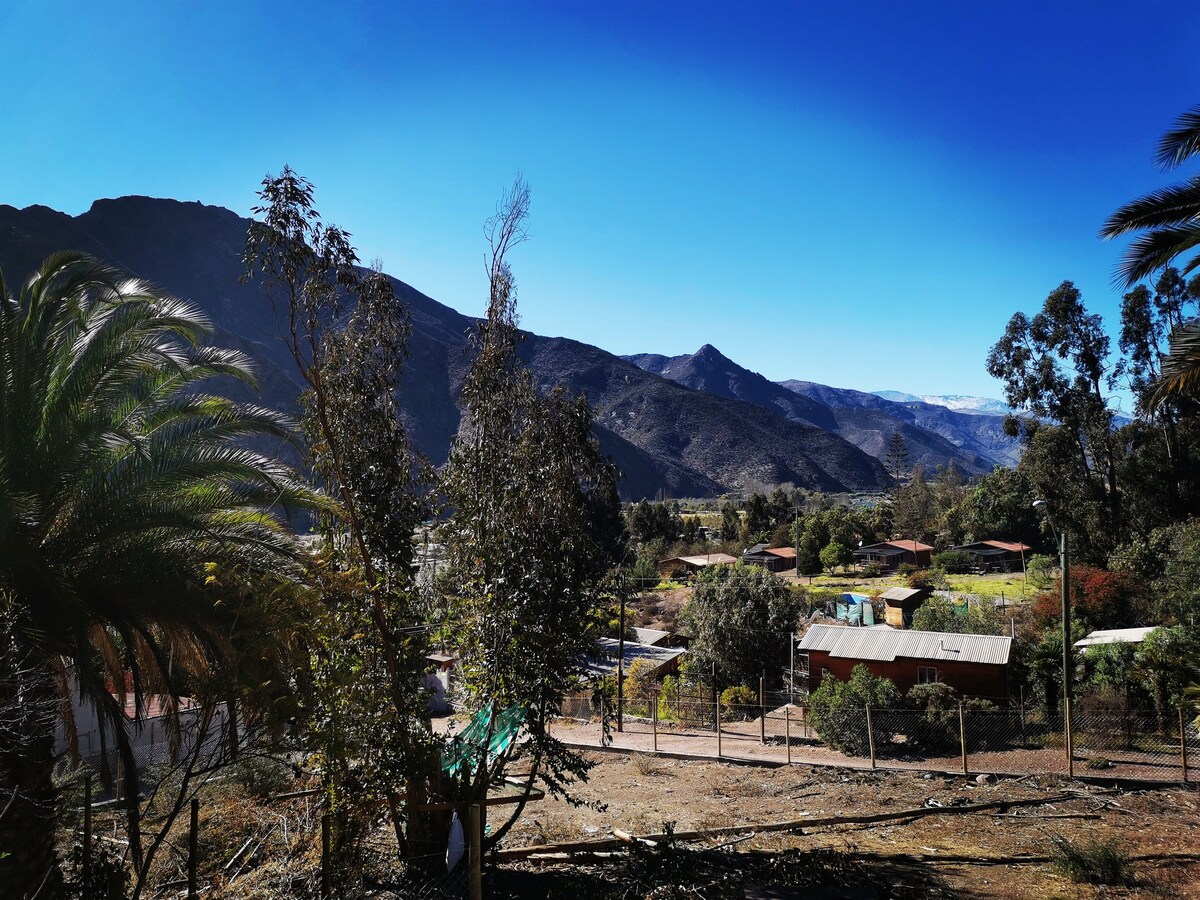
x,y
465,750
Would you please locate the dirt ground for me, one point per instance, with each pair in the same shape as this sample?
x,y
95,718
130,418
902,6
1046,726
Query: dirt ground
x,y
970,855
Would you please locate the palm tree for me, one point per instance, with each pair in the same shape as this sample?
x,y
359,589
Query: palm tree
x,y
1169,217
1180,367
123,487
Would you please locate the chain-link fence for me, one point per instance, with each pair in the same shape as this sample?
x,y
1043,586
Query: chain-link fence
x,y
1130,743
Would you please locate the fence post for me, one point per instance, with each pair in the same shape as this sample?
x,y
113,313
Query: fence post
x,y
1068,738
654,718
787,731
762,709
870,735
87,827
718,718
962,736
193,851
601,720
1023,740
476,852
1183,745
804,719
325,873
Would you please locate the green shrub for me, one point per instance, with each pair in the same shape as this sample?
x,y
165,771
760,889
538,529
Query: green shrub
x,y
955,562
838,711
734,703
1095,861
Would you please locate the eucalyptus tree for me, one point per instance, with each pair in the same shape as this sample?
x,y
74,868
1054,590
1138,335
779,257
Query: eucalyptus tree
x,y
124,487
533,527
347,333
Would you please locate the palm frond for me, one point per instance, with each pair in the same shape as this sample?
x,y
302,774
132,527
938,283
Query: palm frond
x,y
1181,142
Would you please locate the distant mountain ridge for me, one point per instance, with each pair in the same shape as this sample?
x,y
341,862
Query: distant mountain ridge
x,y
667,438
957,402
935,435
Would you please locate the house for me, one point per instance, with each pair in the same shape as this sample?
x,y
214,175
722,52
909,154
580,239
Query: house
x,y
689,565
890,555
1114,636
773,559
602,661
900,604
998,556
437,680
975,665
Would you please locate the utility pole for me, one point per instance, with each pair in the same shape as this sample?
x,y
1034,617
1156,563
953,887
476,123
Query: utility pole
x,y
621,659
1067,650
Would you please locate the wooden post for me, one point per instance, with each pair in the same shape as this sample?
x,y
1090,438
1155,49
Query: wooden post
x,y
962,736
870,735
601,720
87,826
193,835
326,880
787,731
476,849
1183,745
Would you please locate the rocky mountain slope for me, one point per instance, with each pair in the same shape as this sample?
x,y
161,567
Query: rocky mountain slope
x,y
666,437
936,436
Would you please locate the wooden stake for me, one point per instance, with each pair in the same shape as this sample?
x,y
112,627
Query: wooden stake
x,y
962,736
193,852
870,735
475,822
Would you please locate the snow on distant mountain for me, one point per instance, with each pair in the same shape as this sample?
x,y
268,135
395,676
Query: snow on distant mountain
x,y
982,406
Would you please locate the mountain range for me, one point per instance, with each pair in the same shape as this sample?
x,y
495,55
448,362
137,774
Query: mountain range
x,y
686,426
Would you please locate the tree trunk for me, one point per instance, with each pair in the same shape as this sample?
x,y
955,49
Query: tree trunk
x,y
27,793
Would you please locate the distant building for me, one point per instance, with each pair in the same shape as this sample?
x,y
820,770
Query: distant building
x,y
997,556
975,665
602,660
773,559
900,604
690,565
890,555
1114,636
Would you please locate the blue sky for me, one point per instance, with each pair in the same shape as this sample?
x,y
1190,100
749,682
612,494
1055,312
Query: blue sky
x,y
854,193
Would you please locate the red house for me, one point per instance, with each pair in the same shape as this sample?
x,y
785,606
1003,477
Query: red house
x,y
892,554
975,665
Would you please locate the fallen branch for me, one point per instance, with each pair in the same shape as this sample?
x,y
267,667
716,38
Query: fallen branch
x,y
793,825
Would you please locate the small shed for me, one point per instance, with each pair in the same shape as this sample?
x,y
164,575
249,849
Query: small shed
x,y
900,604
975,665
889,555
997,556
602,660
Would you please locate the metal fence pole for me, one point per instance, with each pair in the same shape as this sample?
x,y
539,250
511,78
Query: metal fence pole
x,y
1183,763
718,718
1068,738
870,735
87,827
787,731
193,851
601,720
654,718
962,736
325,865
476,852
762,709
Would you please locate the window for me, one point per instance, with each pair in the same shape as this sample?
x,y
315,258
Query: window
x,y
927,675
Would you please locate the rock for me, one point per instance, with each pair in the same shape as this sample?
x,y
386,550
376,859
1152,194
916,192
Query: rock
x,y
984,778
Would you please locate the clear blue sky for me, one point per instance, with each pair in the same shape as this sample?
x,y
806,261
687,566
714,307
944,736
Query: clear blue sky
x,y
853,193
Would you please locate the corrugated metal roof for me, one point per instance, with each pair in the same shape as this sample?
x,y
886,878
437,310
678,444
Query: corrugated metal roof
x,y
1115,636
903,545
649,635
785,552
711,559
886,646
